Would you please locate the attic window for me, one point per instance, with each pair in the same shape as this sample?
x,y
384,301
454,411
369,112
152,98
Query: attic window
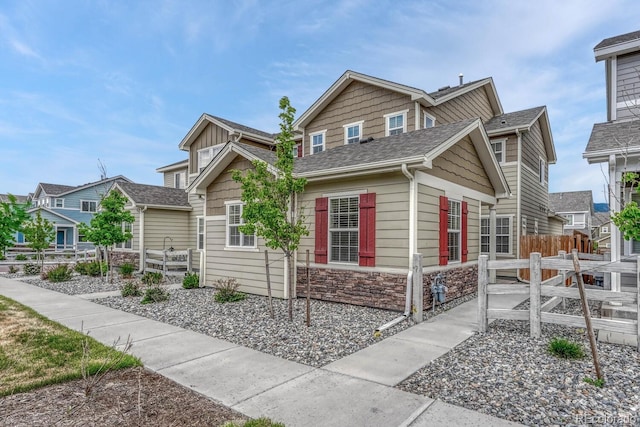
x,y
396,123
353,132
429,120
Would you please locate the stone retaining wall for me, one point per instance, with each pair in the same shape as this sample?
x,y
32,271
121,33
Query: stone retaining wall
x,y
118,258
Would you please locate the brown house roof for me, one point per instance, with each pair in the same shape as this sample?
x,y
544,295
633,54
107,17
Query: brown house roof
x,y
243,128
155,195
515,119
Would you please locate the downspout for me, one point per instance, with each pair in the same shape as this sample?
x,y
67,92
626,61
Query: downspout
x,y
412,250
141,242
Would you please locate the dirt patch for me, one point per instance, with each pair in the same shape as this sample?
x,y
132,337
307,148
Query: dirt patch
x,y
130,397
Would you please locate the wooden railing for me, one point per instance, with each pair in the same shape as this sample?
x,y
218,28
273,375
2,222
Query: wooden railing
x,y
554,287
169,263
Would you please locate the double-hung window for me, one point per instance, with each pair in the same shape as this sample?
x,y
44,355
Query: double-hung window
x,y
317,141
503,235
200,234
498,149
179,180
429,120
542,170
453,230
396,123
88,206
343,229
236,238
58,203
205,155
352,132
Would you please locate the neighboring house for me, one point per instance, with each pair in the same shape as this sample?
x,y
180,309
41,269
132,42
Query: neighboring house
x,y
617,141
577,209
175,175
601,231
68,206
162,220
4,198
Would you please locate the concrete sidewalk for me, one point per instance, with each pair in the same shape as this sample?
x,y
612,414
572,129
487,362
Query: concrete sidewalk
x,y
356,390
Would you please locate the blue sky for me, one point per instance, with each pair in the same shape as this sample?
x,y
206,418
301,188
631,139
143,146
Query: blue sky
x,y
123,82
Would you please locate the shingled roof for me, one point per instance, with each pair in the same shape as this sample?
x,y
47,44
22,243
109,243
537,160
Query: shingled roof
x,y
55,189
516,119
572,201
155,195
452,89
242,128
613,137
618,39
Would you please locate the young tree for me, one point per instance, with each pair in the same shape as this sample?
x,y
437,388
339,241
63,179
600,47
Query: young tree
x,y
39,233
269,198
106,227
12,215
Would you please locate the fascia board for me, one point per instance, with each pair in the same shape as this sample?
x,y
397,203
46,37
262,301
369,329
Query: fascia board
x,y
176,166
616,49
363,169
59,215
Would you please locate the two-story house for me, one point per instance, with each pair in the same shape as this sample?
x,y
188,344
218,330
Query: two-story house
x,y
577,209
616,142
68,206
392,170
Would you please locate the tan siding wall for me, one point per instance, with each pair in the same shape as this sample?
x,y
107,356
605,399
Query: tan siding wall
x,y
473,229
534,203
225,188
136,228
359,101
211,135
509,206
159,224
470,105
429,223
512,149
246,267
460,164
392,215
169,180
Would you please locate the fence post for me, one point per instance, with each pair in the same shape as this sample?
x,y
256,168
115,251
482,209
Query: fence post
x,y
638,304
189,259
164,263
483,297
563,255
606,285
418,288
143,261
535,282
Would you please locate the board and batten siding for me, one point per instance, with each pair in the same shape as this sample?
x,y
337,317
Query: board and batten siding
x,y
392,215
628,86
467,106
224,188
460,164
211,135
246,266
359,101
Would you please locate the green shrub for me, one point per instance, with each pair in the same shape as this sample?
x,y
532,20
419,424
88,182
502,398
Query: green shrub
x,y
191,281
21,257
131,289
154,293
126,270
152,278
258,422
91,268
598,382
565,349
2,257
227,291
31,269
59,273
13,269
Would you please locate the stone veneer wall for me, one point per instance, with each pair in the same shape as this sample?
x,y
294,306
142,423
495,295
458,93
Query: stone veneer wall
x,y
380,290
120,257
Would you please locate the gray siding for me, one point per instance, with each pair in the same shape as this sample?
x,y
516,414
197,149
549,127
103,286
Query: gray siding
x,y
628,86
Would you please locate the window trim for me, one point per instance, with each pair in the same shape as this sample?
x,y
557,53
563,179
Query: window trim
x,y
240,247
509,218
217,148
322,133
542,171
200,232
388,117
88,201
182,181
56,200
347,229
346,132
458,231
503,154
428,116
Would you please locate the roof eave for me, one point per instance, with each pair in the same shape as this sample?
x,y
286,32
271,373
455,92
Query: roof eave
x,y
174,166
363,169
616,49
493,100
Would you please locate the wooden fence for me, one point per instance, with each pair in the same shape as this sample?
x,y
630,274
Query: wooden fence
x,y
169,263
554,287
54,256
550,245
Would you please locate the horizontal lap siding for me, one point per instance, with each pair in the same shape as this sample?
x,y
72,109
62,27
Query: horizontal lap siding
x,y
246,267
392,215
470,105
359,101
72,200
428,223
509,206
628,84
533,148
159,224
211,135
473,229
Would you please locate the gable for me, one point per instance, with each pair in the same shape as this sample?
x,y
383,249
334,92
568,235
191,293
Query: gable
x,y
223,187
468,105
211,135
461,164
360,101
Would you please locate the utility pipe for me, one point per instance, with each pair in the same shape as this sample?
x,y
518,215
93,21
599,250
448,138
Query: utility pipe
x,y
412,213
407,308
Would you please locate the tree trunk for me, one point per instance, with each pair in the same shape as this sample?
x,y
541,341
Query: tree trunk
x,y
290,279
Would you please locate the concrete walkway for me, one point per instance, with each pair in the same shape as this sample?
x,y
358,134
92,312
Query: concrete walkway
x,y
356,390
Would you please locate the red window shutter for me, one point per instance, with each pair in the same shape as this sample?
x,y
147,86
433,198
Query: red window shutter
x,y
322,230
300,150
444,227
463,231
367,230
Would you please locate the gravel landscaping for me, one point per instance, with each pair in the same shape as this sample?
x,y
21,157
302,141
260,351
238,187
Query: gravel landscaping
x,y
506,374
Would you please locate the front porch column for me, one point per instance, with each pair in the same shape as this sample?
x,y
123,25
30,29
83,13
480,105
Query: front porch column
x,y
492,241
615,190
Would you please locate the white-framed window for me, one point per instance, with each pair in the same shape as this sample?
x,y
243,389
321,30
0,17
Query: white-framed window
x,y
396,123
542,169
205,155
523,229
498,147
58,203
317,140
236,238
179,180
353,132
126,226
503,234
296,150
454,228
344,241
604,229
88,206
569,218
429,120
535,227
200,233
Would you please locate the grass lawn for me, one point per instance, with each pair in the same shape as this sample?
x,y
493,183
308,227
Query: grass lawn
x,y
35,351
